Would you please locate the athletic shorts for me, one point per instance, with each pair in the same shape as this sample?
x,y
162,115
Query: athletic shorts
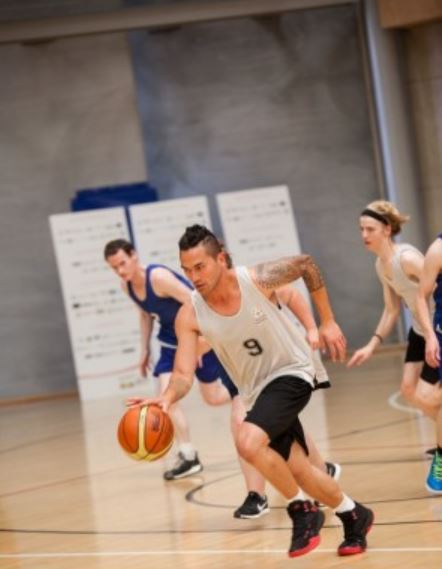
x,y
210,371
416,353
325,384
276,412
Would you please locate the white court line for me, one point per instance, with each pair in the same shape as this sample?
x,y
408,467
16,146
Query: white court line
x,y
206,552
393,402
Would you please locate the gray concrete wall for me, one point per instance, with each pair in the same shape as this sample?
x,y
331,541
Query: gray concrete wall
x,y
227,105
424,81
68,120
257,102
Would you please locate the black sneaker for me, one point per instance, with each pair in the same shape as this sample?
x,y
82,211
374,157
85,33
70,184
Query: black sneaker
x,y
307,521
333,470
183,468
254,506
357,523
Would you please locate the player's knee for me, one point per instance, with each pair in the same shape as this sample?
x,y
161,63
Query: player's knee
x,y
211,399
246,448
247,444
214,394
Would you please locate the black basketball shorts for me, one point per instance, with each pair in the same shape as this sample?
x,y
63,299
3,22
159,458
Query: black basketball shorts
x,y
416,353
276,412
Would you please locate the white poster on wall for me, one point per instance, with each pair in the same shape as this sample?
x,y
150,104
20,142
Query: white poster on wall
x,y
158,226
102,321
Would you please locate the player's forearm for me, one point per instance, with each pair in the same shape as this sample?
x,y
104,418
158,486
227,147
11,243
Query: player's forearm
x,y
179,386
383,328
301,310
322,303
387,322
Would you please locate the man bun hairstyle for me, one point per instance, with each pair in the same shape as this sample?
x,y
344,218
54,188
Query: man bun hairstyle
x,y
199,235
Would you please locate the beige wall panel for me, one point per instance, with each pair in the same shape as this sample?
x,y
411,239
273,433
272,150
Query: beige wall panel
x,y
404,13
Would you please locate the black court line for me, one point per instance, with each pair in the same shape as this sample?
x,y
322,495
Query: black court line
x,y
196,531
217,466
41,441
55,483
365,429
82,432
190,496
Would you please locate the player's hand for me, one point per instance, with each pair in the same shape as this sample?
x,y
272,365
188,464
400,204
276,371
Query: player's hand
x,y
331,338
144,364
360,356
432,351
312,336
142,401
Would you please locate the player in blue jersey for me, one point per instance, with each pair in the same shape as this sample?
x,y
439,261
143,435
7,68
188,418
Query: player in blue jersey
x,y
431,282
159,293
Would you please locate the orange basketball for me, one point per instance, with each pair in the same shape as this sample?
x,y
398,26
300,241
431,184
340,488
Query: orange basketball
x,y
145,433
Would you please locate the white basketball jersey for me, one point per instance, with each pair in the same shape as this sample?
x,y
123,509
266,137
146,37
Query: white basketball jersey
x,y
257,344
403,286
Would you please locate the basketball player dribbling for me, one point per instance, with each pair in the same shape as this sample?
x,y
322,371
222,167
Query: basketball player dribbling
x,y
237,312
431,283
159,293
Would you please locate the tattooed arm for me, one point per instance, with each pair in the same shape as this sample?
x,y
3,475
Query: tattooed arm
x,y
272,275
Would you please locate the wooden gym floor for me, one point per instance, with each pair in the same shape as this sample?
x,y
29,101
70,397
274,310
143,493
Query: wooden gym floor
x,y
70,498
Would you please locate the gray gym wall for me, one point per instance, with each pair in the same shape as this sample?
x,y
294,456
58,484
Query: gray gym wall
x,y
68,120
265,101
295,112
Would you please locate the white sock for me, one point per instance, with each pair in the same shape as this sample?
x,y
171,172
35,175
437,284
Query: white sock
x,y
299,496
188,451
346,505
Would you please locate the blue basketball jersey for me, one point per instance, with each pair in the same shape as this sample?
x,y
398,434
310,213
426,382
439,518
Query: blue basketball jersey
x,y
438,301
163,309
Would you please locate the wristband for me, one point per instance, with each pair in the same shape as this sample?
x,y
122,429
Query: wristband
x,y
379,337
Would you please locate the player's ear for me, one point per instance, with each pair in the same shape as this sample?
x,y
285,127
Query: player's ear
x,y
222,257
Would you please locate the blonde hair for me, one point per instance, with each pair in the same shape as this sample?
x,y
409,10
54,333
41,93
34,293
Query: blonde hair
x,y
391,214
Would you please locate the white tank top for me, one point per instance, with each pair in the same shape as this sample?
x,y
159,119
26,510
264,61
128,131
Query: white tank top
x,y
257,344
402,285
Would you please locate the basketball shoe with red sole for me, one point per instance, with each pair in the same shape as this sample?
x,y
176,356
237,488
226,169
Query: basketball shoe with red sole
x,y
357,523
307,521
